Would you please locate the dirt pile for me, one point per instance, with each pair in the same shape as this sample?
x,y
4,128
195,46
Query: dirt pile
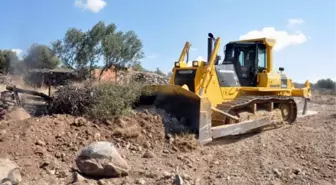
x,y
46,147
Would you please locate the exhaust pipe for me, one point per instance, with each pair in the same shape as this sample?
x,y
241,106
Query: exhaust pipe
x,y
210,45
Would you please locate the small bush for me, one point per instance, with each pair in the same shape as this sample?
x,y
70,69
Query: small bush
x,y
113,100
326,84
101,101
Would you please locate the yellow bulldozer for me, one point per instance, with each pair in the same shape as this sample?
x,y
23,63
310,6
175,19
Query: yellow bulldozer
x,y
232,96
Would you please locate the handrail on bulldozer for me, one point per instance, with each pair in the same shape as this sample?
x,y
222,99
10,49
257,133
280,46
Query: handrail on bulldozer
x,y
184,52
210,65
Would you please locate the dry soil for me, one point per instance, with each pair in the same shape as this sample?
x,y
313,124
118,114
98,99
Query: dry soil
x,y
304,153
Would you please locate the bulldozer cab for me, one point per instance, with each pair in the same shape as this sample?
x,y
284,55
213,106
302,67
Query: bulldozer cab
x,y
248,59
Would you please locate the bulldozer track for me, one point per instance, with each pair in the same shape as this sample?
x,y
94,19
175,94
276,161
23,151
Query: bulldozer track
x,y
246,102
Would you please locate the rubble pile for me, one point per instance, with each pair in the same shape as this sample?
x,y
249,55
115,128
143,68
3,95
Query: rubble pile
x,y
145,77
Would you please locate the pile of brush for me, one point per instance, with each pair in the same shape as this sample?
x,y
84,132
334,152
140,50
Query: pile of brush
x,y
72,99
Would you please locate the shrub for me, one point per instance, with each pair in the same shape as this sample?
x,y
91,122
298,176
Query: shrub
x,y
326,84
103,101
113,100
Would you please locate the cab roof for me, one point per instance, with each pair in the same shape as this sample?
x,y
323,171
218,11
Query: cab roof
x,y
268,41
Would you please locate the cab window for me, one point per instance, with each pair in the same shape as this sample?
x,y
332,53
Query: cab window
x,y
262,57
242,58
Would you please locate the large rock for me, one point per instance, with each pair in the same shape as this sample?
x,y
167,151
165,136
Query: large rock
x,y
9,172
17,114
101,160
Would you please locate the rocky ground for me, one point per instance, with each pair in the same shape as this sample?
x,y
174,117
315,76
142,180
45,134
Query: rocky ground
x,y
45,150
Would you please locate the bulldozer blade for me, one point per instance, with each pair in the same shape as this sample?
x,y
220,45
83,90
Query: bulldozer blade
x,y
195,110
181,103
205,122
239,128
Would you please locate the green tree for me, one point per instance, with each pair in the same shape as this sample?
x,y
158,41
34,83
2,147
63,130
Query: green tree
x,y
120,49
91,50
80,50
40,57
9,62
326,84
70,51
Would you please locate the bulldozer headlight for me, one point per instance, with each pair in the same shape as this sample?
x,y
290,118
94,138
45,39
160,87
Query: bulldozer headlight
x,y
195,63
177,64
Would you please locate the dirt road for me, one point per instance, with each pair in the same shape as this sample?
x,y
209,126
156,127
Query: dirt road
x,y
304,153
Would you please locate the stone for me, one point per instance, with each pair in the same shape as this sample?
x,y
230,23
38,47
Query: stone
x,y
277,172
297,171
148,154
80,121
147,144
103,182
9,172
40,143
78,178
140,181
178,180
101,160
166,174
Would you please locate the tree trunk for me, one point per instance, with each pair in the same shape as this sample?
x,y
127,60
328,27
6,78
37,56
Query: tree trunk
x,y
101,73
115,76
90,71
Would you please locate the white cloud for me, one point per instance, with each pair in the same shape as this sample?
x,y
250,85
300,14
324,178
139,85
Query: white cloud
x,y
283,38
200,58
17,51
193,49
149,57
93,5
152,56
292,22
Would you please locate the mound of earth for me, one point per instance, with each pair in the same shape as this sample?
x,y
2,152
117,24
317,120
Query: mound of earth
x,y
46,147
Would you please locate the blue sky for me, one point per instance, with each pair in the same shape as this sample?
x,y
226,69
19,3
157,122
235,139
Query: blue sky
x,y
304,29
